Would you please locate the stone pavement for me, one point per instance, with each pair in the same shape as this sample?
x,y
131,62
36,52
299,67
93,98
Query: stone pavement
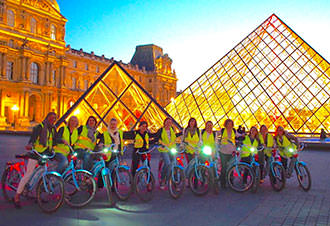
x,y
292,206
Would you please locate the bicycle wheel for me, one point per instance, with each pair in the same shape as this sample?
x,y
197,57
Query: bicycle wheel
x,y
176,182
215,182
240,177
303,176
107,185
82,195
277,176
9,183
144,184
122,181
50,193
257,177
200,180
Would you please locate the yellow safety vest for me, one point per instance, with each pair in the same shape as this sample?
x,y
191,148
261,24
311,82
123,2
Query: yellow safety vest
x,y
62,148
287,144
165,141
270,143
138,142
208,141
41,148
84,142
224,139
108,141
246,152
193,141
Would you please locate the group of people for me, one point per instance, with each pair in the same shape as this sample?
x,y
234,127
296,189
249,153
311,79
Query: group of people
x,y
86,138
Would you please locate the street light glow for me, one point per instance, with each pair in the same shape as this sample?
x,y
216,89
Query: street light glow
x,y
15,108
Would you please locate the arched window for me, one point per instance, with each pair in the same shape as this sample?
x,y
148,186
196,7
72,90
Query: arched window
x,y
34,73
10,18
53,32
85,84
33,25
74,83
9,70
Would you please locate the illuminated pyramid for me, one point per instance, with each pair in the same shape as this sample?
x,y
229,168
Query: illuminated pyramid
x,y
272,77
115,94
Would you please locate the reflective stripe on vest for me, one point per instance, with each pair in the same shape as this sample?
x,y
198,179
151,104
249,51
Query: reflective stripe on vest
x,y
62,148
208,140
138,142
84,142
246,150
165,141
193,141
224,139
40,147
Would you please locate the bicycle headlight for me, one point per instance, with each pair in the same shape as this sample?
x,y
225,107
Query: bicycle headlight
x,y
173,151
44,156
115,150
207,150
291,150
238,148
105,150
75,154
253,149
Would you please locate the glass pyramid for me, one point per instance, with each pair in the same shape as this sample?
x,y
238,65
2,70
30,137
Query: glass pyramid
x,y
115,94
272,77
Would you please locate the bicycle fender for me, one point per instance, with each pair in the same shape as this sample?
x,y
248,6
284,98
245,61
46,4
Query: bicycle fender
x,y
181,167
54,173
302,163
84,171
105,171
124,167
278,163
142,167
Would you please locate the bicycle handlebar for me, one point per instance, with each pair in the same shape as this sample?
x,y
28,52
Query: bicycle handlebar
x,y
45,157
149,151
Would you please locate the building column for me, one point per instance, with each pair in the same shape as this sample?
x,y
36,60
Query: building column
x,y
3,123
4,64
2,75
23,69
27,68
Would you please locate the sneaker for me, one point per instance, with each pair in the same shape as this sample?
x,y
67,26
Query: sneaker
x,y
262,181
162,187
17,204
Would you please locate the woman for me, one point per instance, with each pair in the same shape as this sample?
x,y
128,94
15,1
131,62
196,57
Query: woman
x,y
88,138
67,136
141,143
227,148
285,142
267,140
209,137
166,137
42,141
191,137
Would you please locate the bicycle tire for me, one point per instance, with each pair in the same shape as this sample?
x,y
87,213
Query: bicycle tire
x,y
176,187
122,195
5,188
193,183
300,177
277,177
256,183
141,177
50,186
107,185
231,173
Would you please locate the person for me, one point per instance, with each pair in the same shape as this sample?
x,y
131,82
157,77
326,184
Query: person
x,y
88,140
142,143
191,136
284,141
250,141
227,137
240,133
267,140
41,140
209,137
323,134
166,137
66,136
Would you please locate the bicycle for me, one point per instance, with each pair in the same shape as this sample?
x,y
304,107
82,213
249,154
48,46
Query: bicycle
x,y
275,170
144,181
78,181
236,171
199,175
100,167
49,184
121,176
302,172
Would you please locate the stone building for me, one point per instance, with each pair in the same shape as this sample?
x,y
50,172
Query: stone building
x,y
39,72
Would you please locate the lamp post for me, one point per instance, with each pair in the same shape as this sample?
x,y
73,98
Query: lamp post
x,y
15,109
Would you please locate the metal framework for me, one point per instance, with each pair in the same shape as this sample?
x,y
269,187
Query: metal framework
x,y
116,94
271,77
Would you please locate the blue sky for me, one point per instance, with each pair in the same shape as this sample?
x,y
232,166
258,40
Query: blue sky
x,y
195,34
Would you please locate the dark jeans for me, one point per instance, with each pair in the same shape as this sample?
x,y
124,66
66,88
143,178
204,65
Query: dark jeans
x,y
225,159
62,162
86,157
261,162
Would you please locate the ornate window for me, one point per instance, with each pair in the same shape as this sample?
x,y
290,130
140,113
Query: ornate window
x,y
34,73
86,67
33,25
85,84
74,83
11,43
54,77
97,69
75,64
9,70
10,18
53,32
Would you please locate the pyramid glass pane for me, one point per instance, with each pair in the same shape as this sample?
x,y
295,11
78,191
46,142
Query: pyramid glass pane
x,y
115,94
272,77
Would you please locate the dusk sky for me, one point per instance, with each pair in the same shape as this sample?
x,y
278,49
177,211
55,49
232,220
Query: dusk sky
x,y
195,34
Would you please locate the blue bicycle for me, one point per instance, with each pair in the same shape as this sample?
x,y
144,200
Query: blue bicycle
x,y
80,186
49,184
144,180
